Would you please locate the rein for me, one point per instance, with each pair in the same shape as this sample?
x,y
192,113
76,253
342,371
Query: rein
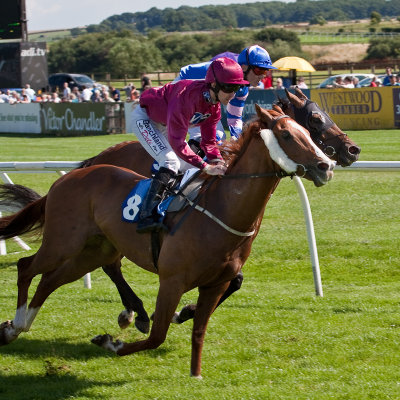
x,y
195,206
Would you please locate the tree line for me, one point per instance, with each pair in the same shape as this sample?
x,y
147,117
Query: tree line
x,y
124,52
134,43
250,15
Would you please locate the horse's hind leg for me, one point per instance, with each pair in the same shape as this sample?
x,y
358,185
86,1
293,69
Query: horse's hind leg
x,y
129,299
10,330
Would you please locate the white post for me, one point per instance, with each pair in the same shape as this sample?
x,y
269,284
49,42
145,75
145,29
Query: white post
x,y
3,248
87,283
6,178
310,235
21,243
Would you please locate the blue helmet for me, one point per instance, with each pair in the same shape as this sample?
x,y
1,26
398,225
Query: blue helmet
x,y
255,56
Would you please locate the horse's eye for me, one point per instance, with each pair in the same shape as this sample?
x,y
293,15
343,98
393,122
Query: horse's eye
x,y
316,118
286,135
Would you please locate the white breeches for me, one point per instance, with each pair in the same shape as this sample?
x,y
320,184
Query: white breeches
x,y
154,138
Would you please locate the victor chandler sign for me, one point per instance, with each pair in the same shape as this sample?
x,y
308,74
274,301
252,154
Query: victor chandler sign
x,y
72,119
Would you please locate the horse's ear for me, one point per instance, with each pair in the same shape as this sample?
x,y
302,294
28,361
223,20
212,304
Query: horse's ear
x,y
263,114
296,101
277,108
300,94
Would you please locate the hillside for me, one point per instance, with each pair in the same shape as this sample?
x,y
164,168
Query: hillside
x,y
336,53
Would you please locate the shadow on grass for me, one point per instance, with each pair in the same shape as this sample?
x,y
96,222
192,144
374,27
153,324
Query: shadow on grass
x,y
60,348
6,264
54,387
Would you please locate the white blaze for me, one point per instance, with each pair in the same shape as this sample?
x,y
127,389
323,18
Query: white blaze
x,y
276,152
281,158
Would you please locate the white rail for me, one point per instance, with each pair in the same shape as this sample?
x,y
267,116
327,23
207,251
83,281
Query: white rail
x,y
61,166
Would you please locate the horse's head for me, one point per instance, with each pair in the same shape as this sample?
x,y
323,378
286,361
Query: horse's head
x,y
291,147
324,132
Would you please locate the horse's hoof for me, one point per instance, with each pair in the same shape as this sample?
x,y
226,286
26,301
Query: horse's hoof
x,y
106,342
4,328
102,340
142,326
125,319
185,314
175,318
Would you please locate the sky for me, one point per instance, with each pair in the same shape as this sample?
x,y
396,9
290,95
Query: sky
x,y
57,14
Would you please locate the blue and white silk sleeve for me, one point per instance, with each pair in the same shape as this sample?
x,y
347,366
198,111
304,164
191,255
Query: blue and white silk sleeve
x,y
234,111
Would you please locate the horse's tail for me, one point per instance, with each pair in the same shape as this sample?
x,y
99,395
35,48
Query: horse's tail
x,y
15,197
86,163
30,218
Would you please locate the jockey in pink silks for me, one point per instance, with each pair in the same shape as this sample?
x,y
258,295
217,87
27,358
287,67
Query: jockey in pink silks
x,y
162,120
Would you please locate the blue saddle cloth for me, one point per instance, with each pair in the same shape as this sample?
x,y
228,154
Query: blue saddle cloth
x,y
133,202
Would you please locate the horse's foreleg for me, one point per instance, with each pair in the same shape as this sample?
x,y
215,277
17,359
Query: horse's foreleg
x,y
10,330
169,294
188,311
206,304
129,299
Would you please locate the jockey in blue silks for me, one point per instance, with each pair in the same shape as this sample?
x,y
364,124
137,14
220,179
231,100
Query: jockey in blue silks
x,y
255,62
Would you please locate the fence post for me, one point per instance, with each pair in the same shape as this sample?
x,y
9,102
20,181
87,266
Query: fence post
x,y
310,235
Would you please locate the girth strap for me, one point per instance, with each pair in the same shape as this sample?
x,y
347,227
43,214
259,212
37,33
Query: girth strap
x,y
218,221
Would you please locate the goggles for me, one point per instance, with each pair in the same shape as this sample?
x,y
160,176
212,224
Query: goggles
x,y
259,71
229,87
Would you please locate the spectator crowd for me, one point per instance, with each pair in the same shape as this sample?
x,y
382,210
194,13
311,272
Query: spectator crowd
x,y
109,94
97,94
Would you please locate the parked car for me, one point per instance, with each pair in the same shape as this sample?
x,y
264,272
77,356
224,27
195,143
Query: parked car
x,y
367,81
79,80
332,79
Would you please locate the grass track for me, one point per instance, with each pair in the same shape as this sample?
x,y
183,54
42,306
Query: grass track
x,y
272,340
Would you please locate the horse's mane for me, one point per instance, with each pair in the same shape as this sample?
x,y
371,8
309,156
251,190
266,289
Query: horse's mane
x,y
232,150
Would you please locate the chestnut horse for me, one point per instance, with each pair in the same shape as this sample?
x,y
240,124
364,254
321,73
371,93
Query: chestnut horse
x,y
91,198
324,132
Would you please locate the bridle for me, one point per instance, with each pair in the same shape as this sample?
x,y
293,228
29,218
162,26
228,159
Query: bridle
x,y
303,116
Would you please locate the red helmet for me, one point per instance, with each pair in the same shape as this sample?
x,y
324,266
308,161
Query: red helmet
x,y
226,71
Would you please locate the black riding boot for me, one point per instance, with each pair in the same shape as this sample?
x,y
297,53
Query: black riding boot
x,y
148,218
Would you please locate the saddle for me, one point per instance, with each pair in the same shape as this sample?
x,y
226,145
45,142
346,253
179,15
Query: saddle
x,y
186,188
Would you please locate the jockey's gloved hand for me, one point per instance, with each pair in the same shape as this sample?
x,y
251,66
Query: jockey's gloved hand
x,y
216,161
217,169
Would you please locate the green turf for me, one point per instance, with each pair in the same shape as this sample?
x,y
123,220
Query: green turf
x,y
274,339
